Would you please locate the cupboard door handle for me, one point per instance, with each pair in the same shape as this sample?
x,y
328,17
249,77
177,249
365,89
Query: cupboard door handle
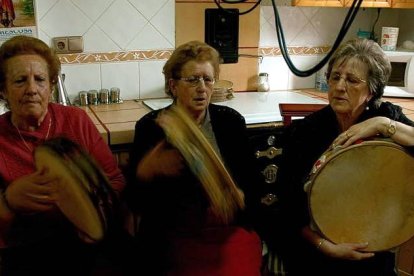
x,y
270,153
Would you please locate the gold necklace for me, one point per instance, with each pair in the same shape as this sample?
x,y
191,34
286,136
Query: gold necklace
x,y
24,141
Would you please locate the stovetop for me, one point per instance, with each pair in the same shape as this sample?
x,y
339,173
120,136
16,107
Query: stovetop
x,y
255,107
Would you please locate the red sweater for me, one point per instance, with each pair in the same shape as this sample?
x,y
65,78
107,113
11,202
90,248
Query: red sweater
x,y
71,122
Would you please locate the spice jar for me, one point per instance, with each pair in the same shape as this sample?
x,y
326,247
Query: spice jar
x,y
115,95
263,82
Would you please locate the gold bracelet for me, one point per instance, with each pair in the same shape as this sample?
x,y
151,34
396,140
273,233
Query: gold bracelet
x,y
391,129
320,243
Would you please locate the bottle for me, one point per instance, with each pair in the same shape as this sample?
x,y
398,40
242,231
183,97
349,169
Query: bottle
x,y
61,94
321,83
263,82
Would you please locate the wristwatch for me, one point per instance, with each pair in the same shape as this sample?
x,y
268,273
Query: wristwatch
x,y
391,129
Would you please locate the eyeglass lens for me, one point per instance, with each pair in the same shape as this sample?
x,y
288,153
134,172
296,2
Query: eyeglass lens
x,y
194,81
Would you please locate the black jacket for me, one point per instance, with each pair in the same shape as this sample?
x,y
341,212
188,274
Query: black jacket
x,y
305,141
172,206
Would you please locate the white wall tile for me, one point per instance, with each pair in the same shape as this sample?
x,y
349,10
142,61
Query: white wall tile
x,y
44,37
291,27
148,8
110,25
151,79
149,38
302,63
277,70
308,36
266,14
327,23
121,22
80,77
118,25
124,75
268,36
164,21
96,40
43,6
91,8
309,12
64,19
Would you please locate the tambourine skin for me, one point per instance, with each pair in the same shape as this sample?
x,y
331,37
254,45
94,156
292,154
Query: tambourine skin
x,y
83,194
182,132
364,193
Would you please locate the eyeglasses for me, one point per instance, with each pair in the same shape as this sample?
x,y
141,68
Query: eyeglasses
x,y
195,81
350,80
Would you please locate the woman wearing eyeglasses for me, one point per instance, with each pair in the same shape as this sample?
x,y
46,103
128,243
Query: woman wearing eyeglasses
x,y
178,232
357,74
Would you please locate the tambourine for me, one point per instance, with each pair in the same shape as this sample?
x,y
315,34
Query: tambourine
x,y
182,132
364,193
83,191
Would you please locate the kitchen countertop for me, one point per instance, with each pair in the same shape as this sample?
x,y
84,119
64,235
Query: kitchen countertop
x,y
256,107
116,122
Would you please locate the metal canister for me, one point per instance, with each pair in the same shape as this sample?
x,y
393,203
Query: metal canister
x,y
93,97
104,96
115,95
83,98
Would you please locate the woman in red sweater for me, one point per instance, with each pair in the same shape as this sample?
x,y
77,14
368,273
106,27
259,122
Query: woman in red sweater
x,y
35,238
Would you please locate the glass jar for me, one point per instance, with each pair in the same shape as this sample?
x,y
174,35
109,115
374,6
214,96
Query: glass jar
x,y
263,82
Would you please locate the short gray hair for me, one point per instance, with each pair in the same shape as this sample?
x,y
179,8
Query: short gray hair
x,y
370,53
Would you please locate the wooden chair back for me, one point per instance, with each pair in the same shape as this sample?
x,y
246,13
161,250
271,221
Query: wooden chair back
x,y
289,110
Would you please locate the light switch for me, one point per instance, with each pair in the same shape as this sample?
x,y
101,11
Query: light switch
x,y
68,44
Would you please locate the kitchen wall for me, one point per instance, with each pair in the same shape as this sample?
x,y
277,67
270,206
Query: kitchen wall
x,y
190,25
126,42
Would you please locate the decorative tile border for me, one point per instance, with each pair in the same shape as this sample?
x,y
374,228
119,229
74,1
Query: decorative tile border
x,y
124,56
297,51
115,56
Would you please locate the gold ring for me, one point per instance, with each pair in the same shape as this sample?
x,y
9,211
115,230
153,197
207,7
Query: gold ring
x,y
347,135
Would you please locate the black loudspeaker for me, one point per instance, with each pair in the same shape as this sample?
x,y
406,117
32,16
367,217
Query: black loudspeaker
x,y
222,32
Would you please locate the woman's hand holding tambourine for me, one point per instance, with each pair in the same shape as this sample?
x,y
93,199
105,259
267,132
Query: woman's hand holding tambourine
x,y
366,129
163,160
32,193
347,251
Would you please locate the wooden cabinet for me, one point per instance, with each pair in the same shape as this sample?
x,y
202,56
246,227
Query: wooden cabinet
x,y
405,259
371,3
408,4
318,3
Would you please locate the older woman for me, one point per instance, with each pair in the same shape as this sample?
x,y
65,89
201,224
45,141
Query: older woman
x,y
178,233
357,75
34,237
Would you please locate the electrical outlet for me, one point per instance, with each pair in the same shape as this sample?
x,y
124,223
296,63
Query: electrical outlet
x,y
68,44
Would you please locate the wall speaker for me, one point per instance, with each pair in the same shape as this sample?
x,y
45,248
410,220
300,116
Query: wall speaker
x,y
222,32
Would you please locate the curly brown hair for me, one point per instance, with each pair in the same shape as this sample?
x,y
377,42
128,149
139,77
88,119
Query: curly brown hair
x,y
26,45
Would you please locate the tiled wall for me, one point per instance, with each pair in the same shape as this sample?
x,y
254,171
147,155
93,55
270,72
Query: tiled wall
x,y
313,27
126,42
190,25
